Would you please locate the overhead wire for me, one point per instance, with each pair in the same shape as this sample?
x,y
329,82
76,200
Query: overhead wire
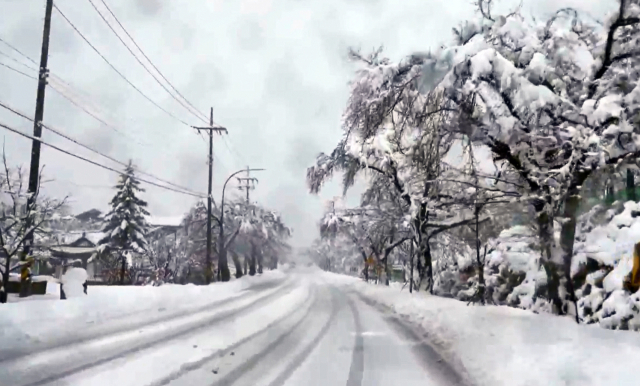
x,y
216,158
59,133
62,93
18,51
9,128
113,67
149,60
188,107
116,70
18,71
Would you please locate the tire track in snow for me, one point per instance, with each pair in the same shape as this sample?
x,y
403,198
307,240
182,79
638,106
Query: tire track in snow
x,y
90,333
248,365
301,357
186,368
356,371
431,359
178,333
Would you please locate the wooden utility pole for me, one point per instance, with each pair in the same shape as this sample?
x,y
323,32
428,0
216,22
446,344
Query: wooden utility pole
x,y
210,129
34,169
246,183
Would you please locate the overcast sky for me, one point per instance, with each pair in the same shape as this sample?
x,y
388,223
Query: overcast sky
x,y
275,72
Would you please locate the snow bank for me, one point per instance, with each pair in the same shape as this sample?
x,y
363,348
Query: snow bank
x,y
499,345
26,322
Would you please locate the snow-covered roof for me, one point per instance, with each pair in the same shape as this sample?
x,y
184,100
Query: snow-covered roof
x,y
94,237
172,221
73,250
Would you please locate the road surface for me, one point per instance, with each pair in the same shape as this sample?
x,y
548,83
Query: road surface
x,y
301,331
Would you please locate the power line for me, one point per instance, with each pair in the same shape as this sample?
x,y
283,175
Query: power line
x,y
18,51
116,70
187,107
62,94
17,61
18,71
93,162
15,111
149,60
57,90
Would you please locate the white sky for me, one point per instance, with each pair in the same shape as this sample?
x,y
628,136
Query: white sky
x,y
275,72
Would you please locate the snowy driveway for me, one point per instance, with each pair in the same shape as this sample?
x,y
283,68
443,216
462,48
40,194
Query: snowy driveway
x,y
302,331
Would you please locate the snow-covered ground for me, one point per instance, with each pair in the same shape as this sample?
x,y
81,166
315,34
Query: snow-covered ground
x,y
500,345
300,331
39,322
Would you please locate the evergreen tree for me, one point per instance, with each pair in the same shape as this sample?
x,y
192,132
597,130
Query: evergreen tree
x,y
125,225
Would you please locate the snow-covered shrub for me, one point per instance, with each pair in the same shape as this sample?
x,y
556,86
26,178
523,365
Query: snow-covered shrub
x,y
603,257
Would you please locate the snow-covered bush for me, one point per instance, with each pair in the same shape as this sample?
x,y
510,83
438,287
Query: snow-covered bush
x,y
603,257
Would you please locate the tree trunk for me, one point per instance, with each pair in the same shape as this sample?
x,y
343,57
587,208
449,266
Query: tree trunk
x,y
223,265
246,264
481,284
260,258
5,280
567,237
365,271
387,271
631,186
429,266
237,264
122,269
252,261
252,266
411,274
545,232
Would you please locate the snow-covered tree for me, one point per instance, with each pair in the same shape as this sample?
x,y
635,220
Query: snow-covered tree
x,y
553,101
261,237
16,226
125,225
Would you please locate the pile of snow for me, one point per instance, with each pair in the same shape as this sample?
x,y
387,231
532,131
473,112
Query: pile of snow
x,y
26,322
499,345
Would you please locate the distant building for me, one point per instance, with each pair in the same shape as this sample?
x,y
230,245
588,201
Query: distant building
x,y
91,215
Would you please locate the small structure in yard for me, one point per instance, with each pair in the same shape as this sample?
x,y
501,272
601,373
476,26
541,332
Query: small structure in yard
x,y
79,251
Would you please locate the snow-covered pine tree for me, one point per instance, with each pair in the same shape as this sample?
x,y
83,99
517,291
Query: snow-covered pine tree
x,y
125,225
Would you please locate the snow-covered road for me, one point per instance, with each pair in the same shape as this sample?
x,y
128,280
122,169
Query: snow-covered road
x,y
301,331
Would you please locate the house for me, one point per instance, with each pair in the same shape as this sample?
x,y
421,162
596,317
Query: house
x,y
166,225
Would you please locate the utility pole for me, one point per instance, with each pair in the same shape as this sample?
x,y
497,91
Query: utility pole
x,y
210,129
246,183
34,169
